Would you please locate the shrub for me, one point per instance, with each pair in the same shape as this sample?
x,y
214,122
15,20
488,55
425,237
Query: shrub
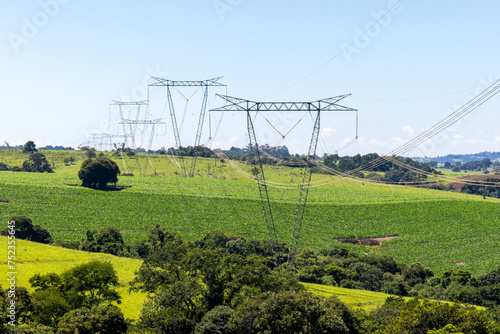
x,y
97,173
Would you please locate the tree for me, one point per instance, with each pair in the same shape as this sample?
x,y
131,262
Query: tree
x,y
48,306
106,240
90,153
292,312
69,161
37,163
215,321
29,147
97,173
164,320
90,283
106,319
421,316
26,230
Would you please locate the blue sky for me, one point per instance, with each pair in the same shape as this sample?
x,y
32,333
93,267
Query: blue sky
x,y
64,61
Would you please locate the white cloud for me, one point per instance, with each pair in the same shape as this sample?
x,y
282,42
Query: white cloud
x,y
327,132
408,130
398,141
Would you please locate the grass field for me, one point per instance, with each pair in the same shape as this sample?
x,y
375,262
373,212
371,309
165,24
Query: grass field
x,y
34,258
441,230
438,229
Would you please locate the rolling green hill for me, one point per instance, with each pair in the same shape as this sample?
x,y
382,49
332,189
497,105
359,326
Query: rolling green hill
x,y
441,230
34,258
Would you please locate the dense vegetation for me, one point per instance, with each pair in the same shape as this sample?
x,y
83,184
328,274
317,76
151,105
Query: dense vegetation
x,y
223,283
23,228
336,266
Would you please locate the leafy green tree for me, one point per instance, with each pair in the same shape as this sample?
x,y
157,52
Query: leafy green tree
x,y
422,316
103,319
415,273
165,320
48,306
90,283
97,173
186,281
29,147
3,306
448,329
37,163
157,237
106,240
292,312
31,328
69,161
215,321
91,153
24,305
26,230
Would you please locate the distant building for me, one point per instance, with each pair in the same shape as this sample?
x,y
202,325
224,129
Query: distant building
x,y
58,147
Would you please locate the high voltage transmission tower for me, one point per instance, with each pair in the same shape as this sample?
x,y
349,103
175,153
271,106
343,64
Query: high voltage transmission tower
x,y
204,84
132,126
325,105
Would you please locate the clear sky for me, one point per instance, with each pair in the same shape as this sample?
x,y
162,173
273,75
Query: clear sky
x,y
407,64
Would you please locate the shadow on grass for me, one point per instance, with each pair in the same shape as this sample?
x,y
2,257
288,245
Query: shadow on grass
x,y
108,188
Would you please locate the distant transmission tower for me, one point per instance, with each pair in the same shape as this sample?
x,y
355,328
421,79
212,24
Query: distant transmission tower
x,y
204,84
141,123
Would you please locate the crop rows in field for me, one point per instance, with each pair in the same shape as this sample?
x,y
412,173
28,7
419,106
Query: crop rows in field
x,y
438,229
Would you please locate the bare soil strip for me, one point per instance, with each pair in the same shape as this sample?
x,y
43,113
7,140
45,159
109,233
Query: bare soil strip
x,y
372,242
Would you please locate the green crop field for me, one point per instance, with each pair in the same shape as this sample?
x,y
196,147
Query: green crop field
x,y
441,230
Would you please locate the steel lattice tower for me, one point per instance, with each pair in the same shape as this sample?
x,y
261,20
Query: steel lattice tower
x,y
204,84
325,105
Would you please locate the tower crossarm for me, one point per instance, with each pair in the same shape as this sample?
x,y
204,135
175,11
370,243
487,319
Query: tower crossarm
x,y
143,121
237,104
173,83
133,103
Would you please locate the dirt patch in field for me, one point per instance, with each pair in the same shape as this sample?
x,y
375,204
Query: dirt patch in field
x,y
4,202
457,185
372,242
461,263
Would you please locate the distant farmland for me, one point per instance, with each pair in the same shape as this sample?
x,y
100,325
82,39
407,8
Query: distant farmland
x,y
441,230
